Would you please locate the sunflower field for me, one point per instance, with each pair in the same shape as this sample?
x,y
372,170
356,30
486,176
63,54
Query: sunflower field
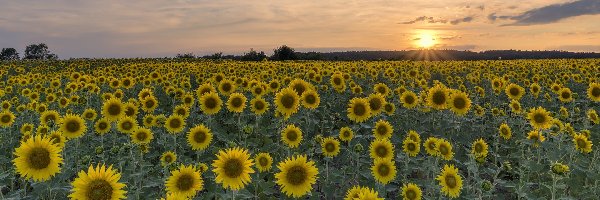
x,y
200,129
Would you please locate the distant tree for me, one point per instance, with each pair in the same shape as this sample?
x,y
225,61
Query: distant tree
x,y
39,52
9,54
284,53
215,56
254,56
185,55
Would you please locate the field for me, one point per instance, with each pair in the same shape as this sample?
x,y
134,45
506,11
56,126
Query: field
x,y
199,129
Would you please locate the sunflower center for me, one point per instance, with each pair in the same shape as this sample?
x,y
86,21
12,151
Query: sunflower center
x,y
439,98
565,95
114,109
411,194
337,81
381,151
381,90
141,135
39,158
581,143
296,175
292,135
181,112
73,126
346,134
89,115
596,92
359,109
514,91
383,170
102,125
236,102
459,103
127,125
329,147
210,103
259,105
288,101
409,99
99,190
443,149
149,104
185,182
226,87
175,123
382,130
168,159
478,148
504,131
129,111
539,118
310,99
411,146
375,104
200,136
233,168
262,161
450,181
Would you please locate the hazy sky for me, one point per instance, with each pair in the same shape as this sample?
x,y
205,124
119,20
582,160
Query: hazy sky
x,y
148,28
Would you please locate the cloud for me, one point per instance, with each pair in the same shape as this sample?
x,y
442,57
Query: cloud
x,y
432,20
458,21
554,13
429,20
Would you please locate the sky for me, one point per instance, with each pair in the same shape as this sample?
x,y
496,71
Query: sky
x,y
158,28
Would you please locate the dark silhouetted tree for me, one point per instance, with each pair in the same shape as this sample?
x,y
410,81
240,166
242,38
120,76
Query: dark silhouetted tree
x,y
9,54
254,56
39,52
284,53
185,55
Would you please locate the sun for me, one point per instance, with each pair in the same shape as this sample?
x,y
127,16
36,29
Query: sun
x,y
425,40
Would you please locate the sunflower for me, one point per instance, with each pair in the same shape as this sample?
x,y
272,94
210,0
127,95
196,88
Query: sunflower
x,y
310,99
593,116
504,131
102,126
479,148
445,149
515,106
346,134
142,136
184,182
127,125
57,138
130,109
182,110
99,182
6,119
389,108
149,104
376,102
437,97
359,110
450,181
259,106
168,158
582,143
593,92
565,95
232,168
210,103
535,89
199,137
89,114
411,191
381,148
414,136
539,118
384,170
175,124
264,161
72,126
226,87
26,128
291,136
431,146
411,147
38,158
368,194
236,102
353,192
536,137
113,109
514,91
459,102
296,176
287,102
330,146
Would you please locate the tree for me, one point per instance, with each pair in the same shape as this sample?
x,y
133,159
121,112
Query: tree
x,y
39,52
284,53
185,55
9,54
254,56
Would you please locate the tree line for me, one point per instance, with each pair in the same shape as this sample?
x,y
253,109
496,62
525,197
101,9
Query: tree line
x,y
32,52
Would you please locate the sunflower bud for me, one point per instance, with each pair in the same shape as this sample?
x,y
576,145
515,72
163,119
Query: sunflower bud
x,y
560,169
99,150
358,148
486,185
